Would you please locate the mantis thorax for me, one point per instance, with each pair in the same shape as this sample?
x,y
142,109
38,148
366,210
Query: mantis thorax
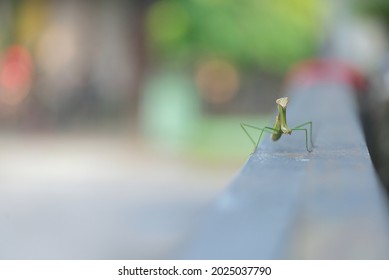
x,y
281,125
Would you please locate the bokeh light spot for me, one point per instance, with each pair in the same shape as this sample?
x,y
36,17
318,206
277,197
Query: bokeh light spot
x,y
15,75
218,80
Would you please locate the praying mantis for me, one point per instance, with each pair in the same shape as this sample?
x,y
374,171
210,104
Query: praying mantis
x,y
280,126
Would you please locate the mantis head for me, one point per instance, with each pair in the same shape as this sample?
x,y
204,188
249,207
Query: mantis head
x,y
283,102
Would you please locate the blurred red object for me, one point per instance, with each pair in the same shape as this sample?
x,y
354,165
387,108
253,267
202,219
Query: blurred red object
x,y
313,71
16,70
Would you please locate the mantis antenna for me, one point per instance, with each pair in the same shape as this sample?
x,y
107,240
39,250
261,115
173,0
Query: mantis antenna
x,y
280,127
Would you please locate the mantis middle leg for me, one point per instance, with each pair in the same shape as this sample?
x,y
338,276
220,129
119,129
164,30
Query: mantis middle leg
x,y
300,127
263,129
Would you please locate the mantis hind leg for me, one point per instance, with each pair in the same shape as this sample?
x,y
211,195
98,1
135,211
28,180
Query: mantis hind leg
x,y
300,127
263,129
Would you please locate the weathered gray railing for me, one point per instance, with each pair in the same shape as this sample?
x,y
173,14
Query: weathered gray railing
x,y
287,203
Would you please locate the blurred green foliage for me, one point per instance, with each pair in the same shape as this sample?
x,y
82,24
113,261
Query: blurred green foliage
x,y
271,33
172,121
378,8
222,139
170,110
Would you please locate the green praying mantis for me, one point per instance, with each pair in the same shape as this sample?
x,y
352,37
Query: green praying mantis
x,y
280,126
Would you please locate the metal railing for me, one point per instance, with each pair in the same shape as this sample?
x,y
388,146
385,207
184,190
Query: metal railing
x,y
287,203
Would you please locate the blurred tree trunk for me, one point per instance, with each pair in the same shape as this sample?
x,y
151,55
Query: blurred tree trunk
x,y
139,55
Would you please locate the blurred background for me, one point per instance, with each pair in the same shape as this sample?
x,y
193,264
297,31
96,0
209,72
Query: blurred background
x,y
119,120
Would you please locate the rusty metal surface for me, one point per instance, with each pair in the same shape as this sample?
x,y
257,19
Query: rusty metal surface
x,y
287,203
